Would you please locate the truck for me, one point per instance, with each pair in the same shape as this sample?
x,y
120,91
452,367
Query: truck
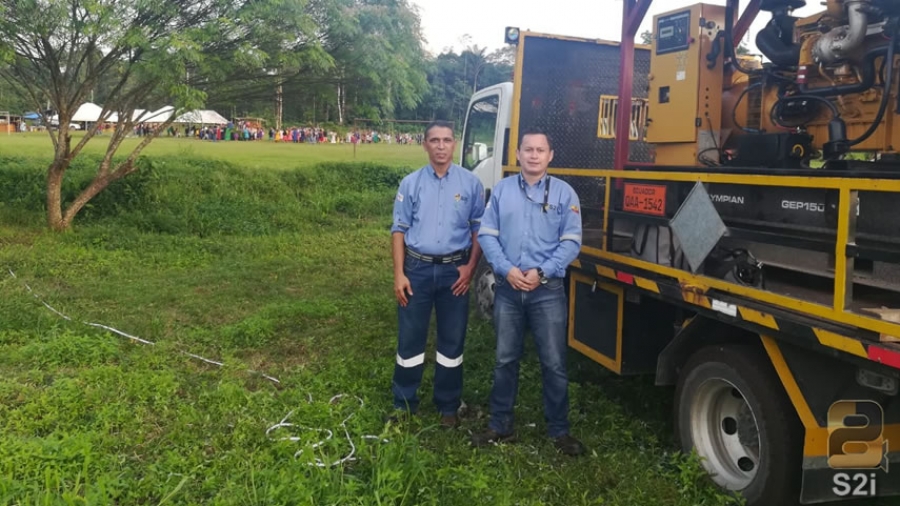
x,y
740,235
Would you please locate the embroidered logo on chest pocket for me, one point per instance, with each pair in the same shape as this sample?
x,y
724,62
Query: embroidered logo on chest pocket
x,y
459,198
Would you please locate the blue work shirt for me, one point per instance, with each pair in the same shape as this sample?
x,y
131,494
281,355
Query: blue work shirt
x,y
516,232
438,215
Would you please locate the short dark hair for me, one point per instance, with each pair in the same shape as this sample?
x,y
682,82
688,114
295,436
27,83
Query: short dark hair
x,y
437,124
535,130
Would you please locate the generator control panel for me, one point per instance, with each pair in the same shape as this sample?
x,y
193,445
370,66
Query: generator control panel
x,y
685,99
673,32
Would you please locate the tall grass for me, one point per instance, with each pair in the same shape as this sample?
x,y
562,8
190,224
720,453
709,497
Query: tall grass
x,y
162,197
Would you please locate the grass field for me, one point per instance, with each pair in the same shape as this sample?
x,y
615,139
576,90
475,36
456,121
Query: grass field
x,y
286,272
251,155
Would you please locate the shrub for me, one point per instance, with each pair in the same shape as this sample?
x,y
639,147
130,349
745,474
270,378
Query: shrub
x,y
203,197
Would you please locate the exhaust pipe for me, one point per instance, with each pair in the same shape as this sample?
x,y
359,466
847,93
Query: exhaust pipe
x,y
843,41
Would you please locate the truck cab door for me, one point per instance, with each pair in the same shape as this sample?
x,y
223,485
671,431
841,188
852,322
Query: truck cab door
x,y
486,134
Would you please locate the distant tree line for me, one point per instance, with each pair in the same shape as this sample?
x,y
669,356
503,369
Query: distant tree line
x,y
348,59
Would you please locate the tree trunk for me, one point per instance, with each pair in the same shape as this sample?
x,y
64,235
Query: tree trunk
x,y
54,197
342,101
340,97
59,219
97,185
279,105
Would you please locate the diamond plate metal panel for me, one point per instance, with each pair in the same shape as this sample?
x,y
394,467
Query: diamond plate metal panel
x,y
698,226
562,81
589,189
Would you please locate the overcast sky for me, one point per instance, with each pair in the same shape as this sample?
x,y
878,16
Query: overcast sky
x,y
445,23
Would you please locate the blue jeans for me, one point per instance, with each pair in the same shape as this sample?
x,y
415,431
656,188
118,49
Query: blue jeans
x,y
543,310
431,290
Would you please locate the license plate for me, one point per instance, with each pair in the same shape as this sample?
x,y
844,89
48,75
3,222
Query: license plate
x,y
645,199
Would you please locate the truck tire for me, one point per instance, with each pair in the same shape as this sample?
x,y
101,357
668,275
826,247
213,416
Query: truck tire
x,y
484,290
731,407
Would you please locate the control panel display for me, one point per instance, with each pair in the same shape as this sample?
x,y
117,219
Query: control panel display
x,y
673,33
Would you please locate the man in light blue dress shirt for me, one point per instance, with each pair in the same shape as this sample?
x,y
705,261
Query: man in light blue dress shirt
x,y
437,212
530,233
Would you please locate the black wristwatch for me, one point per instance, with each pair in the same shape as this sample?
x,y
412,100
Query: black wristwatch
x,y
541,274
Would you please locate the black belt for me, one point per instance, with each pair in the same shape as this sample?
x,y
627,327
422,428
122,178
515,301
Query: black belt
x,y
456,256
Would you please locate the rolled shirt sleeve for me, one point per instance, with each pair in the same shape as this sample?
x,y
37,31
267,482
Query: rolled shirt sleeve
x,y
489,237
403,208
477,208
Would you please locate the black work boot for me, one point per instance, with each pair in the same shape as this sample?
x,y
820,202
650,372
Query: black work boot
x,y
568,445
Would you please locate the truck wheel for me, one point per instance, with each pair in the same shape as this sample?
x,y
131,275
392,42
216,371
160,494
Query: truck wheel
x,y
731,407
484,290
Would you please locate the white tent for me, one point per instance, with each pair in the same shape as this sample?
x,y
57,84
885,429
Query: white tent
x,y
87,112
135,116
91,113
203,117
160,115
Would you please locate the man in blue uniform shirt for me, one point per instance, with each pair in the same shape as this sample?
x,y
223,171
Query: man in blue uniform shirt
x,y
437,213
530,233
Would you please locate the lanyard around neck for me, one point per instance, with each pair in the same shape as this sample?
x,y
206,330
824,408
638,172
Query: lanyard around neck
x,y
545,206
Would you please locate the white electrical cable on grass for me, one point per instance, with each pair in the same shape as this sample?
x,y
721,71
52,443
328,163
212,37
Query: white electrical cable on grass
x,y
129,336
116,331
283,423
318,462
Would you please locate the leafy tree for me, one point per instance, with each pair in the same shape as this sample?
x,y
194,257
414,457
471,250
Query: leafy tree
x,y
368,61
647,37
137,54
377,46
453,77
449,91
11,99
499,67
476,59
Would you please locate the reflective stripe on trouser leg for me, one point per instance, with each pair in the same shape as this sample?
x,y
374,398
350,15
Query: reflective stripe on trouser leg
x,y
452,319
447,361
407,363
407,378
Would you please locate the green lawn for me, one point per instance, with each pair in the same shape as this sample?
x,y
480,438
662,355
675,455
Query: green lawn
x,y
256,154
282,271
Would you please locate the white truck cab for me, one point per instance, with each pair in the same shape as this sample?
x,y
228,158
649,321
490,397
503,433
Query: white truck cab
x,y
486,134
484,152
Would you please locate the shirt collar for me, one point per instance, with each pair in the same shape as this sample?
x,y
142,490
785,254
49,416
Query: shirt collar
x,y
539,183
434,173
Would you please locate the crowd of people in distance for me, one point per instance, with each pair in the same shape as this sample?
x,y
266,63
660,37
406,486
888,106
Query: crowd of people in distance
x,y
245,131
254,131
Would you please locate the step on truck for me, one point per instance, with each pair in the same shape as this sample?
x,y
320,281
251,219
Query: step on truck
x,y
741,234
